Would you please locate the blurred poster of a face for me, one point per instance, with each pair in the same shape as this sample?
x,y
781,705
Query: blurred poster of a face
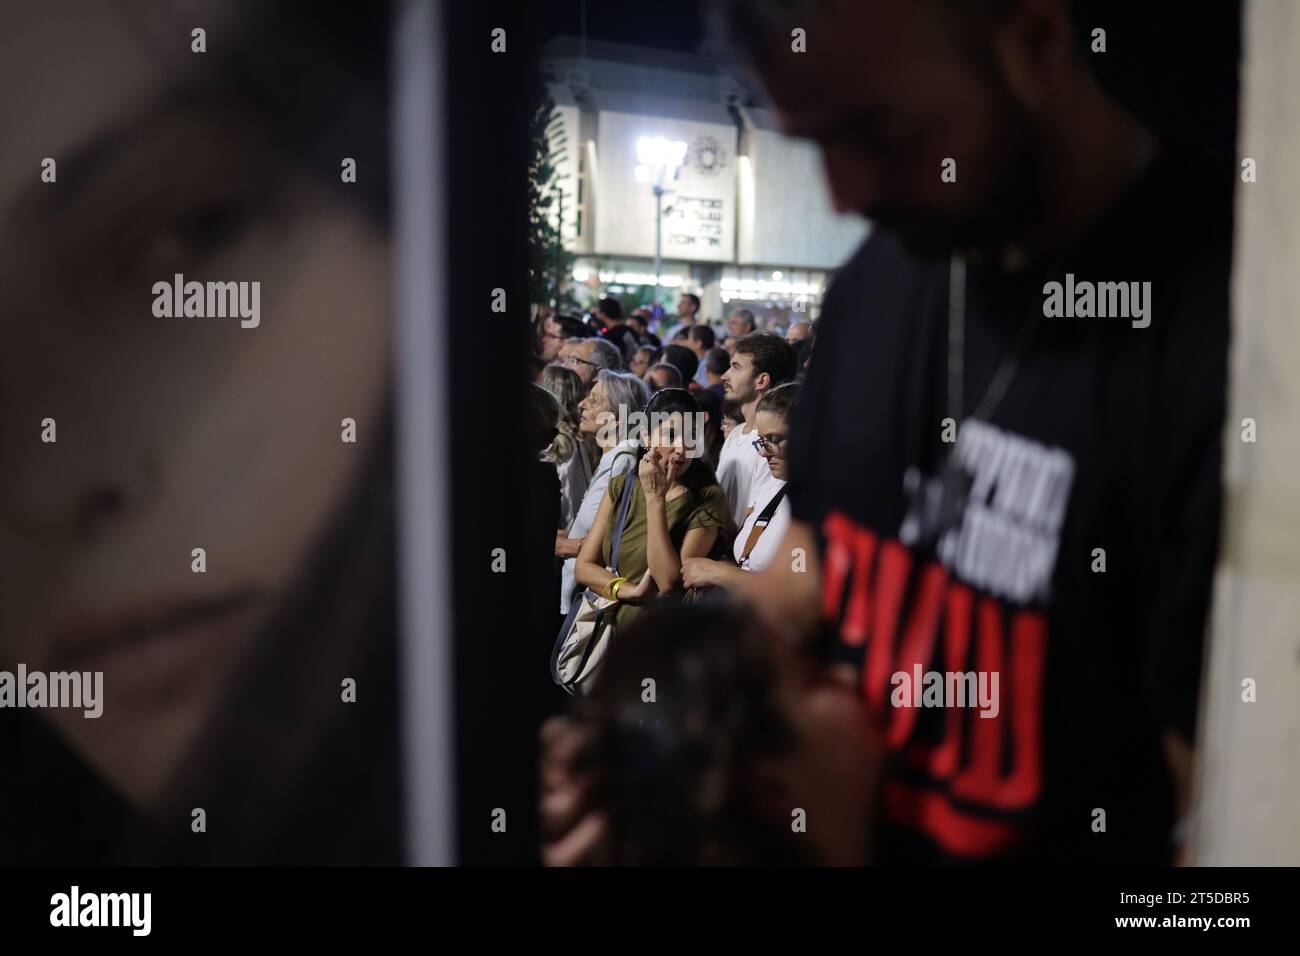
x,y
194,383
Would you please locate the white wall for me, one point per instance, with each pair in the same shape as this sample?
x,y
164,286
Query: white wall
x,y
568,170
1249,753
701,225
786,217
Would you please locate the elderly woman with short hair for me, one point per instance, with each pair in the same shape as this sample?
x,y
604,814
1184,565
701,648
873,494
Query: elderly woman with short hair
x,y
613,398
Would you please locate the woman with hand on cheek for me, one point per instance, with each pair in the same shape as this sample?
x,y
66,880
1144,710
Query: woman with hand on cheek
x,y
768,517
677,512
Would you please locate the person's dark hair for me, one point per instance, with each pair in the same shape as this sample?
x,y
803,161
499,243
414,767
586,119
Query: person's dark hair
x,y
571,327
675,382
657,355
695,299
780,400
679,772
343,49
732,409
667,401
803,350
748,318
544,414
536,365
711,404
703,334
611,309
770,353
717,360
686,361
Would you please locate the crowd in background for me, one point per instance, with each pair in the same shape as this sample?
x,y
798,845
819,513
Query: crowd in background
x,y
707,503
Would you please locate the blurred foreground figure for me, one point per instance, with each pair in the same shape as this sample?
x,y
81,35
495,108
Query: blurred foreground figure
x,y
205,532
1005,498
736,751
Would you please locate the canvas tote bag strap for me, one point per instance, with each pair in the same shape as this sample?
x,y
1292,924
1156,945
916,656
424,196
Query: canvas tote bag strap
x,y
598,621
622,520
598,625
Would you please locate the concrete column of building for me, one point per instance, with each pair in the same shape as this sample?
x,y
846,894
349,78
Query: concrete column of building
x,y
709,279
1249,749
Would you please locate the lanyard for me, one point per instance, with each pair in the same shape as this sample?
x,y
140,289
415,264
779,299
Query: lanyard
x,y
1007,369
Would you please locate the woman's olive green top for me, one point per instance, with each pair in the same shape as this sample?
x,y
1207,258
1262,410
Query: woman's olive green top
x,y
703,508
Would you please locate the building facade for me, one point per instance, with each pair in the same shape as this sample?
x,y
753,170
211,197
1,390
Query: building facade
x,y
745,219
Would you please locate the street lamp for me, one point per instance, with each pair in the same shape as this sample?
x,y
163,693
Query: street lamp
x,y
658,161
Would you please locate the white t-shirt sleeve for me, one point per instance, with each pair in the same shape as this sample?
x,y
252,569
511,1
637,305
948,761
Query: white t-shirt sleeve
x,y
736,472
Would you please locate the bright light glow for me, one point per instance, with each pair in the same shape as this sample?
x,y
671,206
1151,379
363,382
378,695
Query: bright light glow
x,y
581,275
644,174
657,151
777,275
764,288
647,278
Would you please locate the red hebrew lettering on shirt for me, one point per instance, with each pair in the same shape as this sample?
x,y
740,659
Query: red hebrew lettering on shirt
x,y
961,790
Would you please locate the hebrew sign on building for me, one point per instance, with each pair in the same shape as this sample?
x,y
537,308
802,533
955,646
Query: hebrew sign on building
x,y
699,208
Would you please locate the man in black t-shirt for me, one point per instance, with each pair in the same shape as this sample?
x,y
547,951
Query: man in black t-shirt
x,y
1005,468
1007,461
609,313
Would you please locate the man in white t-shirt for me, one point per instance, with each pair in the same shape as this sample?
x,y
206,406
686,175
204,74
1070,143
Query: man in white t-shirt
x,y
761,362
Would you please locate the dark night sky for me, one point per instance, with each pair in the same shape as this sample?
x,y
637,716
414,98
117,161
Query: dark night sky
x,y
662,24
1173,63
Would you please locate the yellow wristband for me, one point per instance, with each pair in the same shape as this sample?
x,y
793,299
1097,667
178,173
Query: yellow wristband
x,y
613,587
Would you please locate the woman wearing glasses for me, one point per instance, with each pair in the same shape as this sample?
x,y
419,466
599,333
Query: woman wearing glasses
x,y
768,517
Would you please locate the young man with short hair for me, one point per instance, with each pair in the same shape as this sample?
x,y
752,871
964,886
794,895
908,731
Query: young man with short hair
x,y
762,362
688,306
